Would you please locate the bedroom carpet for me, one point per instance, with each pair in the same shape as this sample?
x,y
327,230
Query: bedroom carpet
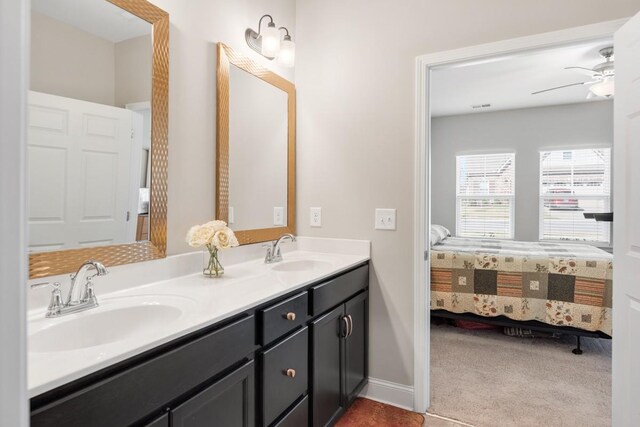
x,y
487,379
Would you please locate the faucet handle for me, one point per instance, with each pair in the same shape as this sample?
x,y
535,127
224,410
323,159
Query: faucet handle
x,y
55,285
269,256
88,293
55,304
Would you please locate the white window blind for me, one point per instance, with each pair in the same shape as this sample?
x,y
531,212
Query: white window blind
x,y
573,182
485,195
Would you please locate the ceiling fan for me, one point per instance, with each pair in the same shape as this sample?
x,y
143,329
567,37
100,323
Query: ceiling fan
x,y
602,77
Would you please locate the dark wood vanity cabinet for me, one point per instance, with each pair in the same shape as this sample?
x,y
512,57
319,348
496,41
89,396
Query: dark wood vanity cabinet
x,y
227,402
339,358
298,360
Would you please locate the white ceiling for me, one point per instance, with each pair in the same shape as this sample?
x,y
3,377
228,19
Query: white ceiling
x,y
507,82
98,17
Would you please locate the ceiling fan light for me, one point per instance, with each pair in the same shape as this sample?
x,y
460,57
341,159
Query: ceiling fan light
x,y
605,88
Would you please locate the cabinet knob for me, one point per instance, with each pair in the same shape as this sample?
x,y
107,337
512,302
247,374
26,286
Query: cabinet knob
x,y
291,316
291,373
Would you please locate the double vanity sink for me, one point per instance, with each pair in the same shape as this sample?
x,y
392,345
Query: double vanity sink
x,y
130,321
273,313
142,314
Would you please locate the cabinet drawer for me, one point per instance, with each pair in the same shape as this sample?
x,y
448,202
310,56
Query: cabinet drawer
x,y
284,375
329,294
130,395
281,318
298,416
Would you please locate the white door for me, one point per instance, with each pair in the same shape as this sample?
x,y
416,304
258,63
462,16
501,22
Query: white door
x,y
79,155
626,249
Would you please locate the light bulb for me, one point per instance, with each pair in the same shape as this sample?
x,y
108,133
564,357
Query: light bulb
x,y
605,88
287,54
270,41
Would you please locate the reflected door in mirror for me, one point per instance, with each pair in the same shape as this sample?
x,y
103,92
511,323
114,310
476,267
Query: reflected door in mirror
x,y
89,128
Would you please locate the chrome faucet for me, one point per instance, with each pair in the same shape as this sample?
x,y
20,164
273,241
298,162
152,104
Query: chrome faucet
x,y
80,298
274,254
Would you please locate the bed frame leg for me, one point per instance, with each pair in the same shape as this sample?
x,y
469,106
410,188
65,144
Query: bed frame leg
x,y
577,350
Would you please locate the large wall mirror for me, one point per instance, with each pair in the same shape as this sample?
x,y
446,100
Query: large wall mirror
x,y
256,142
97,133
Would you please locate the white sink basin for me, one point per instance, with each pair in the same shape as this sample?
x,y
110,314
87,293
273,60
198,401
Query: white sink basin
x,y
301,265
116,319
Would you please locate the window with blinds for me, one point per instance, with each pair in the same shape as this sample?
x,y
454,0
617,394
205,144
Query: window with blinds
x,y
574,182
485,193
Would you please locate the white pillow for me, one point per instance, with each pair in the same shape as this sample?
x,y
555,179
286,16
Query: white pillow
x,y
438,233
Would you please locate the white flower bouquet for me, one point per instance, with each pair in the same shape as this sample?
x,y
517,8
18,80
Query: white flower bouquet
x,y
214,235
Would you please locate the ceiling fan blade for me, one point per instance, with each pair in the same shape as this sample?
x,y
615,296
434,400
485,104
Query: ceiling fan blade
x,y
583,70
560,87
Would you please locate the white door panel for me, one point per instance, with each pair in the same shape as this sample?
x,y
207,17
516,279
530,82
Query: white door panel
x,y
79,167
626,267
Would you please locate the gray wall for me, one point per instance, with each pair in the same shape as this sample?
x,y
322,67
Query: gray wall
x,y
133,63
67,61
355,77
525,132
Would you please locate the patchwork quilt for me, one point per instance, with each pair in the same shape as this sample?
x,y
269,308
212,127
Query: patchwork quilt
x,y
556,283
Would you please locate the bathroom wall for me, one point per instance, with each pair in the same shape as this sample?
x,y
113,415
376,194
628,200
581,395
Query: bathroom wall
x,y
69,62
196,27
133,62
525,132
355,76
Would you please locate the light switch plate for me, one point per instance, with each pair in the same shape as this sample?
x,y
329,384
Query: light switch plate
x,y
385,219
278,215
231,218
315,219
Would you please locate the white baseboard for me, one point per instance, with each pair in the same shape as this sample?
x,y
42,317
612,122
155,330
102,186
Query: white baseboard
x,y
395,394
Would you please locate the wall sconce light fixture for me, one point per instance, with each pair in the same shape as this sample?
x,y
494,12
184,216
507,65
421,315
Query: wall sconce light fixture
x,y
267,42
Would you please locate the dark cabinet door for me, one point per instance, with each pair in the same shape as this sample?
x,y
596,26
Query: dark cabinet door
x,y
162,421
355,346
326,360
229,402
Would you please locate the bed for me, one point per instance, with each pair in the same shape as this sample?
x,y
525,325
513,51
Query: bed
x,y
557,284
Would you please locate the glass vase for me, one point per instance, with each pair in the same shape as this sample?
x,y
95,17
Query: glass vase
x,y
212,266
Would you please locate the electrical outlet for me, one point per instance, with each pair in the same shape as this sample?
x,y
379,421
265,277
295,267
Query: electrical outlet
x,y
316,217
385,219
231,218
278,215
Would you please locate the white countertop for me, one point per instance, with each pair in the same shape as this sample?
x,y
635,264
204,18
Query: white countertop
x,y
203,301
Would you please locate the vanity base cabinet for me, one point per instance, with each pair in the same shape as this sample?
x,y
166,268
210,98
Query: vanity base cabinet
x,y
298,416
339,359
355,346
298,360
326,359
162,421
229,402
137,390
284,375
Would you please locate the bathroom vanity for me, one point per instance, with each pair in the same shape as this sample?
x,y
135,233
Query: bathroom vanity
x,y
279,342
295,358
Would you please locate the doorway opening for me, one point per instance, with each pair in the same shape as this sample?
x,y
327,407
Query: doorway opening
x,y
459,211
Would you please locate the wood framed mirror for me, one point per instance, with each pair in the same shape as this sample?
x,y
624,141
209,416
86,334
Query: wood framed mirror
x,y
97,134
256,149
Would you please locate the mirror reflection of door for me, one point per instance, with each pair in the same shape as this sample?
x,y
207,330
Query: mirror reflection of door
x,y
89,129
258,148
